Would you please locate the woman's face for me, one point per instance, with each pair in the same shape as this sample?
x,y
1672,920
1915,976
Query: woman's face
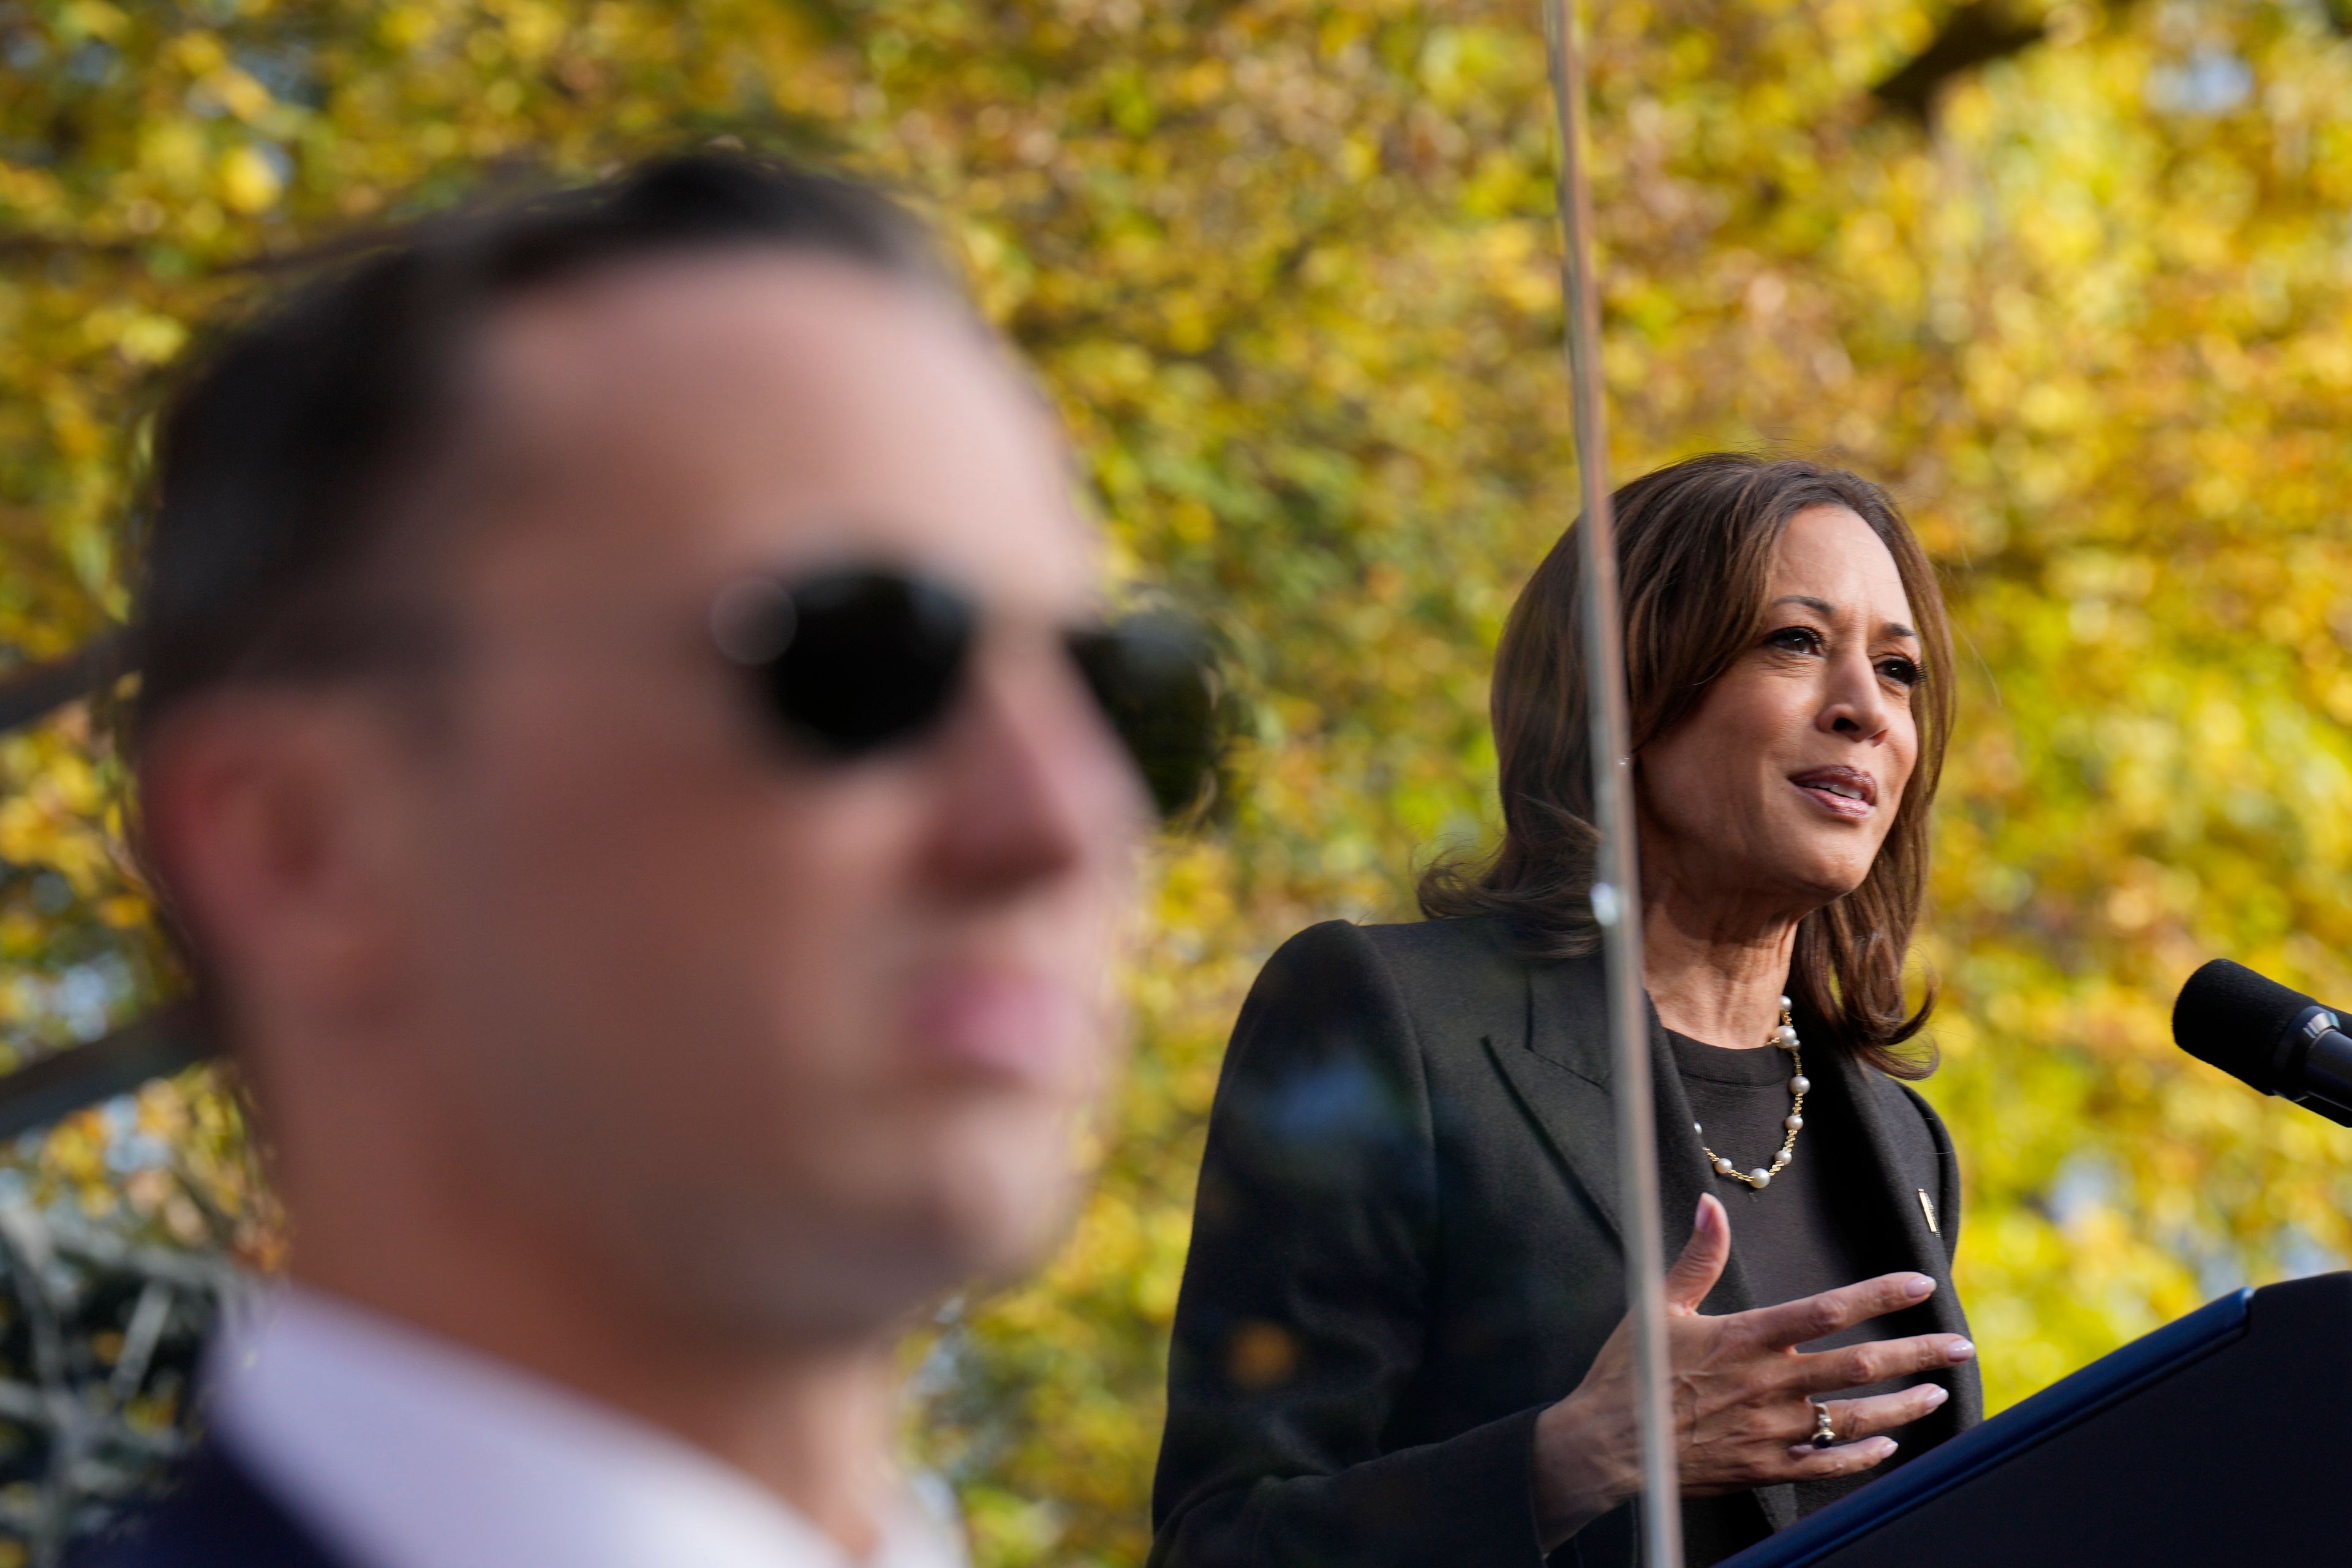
x,y
1779,789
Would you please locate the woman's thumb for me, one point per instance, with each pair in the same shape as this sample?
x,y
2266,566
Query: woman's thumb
x,y
1693,1274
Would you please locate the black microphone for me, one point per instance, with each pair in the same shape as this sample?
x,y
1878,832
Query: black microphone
x,y
2278,1040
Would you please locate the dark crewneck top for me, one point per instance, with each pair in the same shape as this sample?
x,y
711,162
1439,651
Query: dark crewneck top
x,y
1805,1233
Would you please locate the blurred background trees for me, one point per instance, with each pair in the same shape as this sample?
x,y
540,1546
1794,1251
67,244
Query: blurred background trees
x,y
2072,279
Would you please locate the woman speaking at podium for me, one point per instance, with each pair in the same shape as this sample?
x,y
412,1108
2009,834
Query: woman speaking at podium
x,y
1398,1341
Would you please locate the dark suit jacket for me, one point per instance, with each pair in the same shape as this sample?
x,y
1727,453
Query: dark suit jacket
x,y
1406,1245
211,1514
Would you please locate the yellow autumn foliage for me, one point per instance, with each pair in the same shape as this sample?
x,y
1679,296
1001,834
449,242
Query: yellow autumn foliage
x,y
1289,267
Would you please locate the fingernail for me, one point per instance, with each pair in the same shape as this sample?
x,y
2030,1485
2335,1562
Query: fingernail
x,y
1888,1446
1960,1350
1936,1394
1919,1285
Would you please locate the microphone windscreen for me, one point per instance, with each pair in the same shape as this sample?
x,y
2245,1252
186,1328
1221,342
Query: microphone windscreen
x,y
2232,1017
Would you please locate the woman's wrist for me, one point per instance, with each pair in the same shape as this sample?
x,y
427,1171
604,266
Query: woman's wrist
x,y
1581,1472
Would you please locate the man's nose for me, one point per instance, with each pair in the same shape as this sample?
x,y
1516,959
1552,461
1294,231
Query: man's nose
x,y
1032,785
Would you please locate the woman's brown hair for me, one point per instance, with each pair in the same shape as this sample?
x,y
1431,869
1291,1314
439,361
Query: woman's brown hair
x,y
1694,548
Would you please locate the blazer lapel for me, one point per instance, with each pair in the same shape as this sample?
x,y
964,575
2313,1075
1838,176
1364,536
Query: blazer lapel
x,y
1561,1072
1560,1076
1907,1242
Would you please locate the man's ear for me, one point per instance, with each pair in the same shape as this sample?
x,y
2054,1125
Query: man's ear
x,y
274,818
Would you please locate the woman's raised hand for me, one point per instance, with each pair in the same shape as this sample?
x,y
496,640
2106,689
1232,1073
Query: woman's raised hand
x,y
1740,1391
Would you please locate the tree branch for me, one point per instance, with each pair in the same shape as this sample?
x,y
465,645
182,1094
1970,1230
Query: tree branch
x,y
1976,33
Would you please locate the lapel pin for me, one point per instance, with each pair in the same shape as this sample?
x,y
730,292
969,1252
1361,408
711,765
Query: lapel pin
x,y
1928,1207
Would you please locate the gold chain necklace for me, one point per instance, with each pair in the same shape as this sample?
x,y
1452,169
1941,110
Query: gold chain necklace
x,y
1785,1037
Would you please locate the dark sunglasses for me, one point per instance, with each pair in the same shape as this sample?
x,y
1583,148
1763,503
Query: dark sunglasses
x,y
855,660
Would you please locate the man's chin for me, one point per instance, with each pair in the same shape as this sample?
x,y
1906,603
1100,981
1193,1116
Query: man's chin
x,y
1008,1254
856,1276
988,1234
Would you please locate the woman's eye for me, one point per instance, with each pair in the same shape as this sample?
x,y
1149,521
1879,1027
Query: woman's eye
x,y
1901,671
1795,640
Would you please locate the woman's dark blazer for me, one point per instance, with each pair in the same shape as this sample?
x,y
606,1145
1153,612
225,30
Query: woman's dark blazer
x,y
1406,1245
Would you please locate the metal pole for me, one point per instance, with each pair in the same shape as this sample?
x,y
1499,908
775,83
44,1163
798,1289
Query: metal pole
x,y
1616,885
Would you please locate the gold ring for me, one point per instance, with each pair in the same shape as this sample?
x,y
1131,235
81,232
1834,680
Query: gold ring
x,y
1824,1435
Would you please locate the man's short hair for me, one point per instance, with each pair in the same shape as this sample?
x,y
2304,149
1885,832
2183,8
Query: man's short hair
x,y
280,462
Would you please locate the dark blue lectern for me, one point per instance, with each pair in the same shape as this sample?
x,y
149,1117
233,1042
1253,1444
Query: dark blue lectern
x,y
2223,1438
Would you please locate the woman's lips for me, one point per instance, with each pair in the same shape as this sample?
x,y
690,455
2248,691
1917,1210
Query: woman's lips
x,y
1845,793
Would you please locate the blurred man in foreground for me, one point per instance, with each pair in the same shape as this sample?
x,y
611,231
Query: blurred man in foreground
x,y
626,732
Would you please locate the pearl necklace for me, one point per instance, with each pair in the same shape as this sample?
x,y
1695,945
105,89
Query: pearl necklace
x,y
1785,1037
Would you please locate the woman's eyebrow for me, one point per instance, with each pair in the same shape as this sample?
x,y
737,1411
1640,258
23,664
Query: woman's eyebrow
x,y
1827,611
